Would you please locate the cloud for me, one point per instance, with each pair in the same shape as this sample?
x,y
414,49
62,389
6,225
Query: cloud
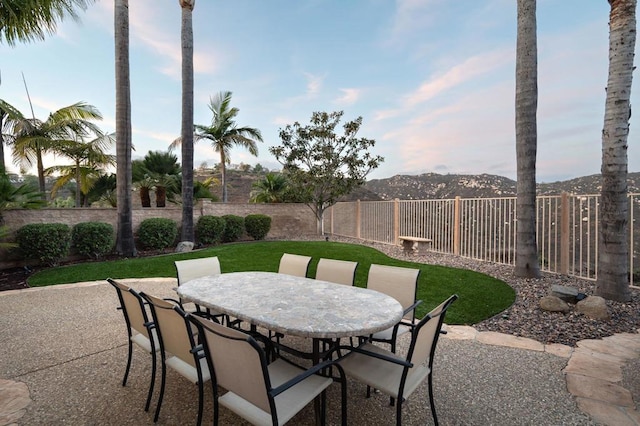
x,y
411,16
349,96
314,84
459,74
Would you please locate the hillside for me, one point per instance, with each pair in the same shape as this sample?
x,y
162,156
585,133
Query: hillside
x,y
435,186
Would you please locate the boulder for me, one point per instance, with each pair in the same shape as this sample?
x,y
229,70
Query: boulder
x,y
184,246
568,294
594,307
553,304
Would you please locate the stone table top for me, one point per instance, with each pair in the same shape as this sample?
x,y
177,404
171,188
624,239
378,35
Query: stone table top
x,y
293,305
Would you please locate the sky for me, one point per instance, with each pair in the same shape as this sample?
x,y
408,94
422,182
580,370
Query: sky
x,y
433,80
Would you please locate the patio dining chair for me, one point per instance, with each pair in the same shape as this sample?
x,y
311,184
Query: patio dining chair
x,y
178,348
294,264
191,269
261,392
139,330
401,284
399,376
336,271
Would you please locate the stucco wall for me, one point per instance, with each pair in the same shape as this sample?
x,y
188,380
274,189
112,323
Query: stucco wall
x,y
286,219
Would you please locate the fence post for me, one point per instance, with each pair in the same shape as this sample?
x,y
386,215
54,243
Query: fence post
x,y
564,234
396,221
456,226
358,221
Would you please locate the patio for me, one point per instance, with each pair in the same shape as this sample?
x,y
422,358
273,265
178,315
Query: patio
x,y
68,345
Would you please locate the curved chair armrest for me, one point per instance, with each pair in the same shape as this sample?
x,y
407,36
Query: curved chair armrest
x,y
412,307
383,357
295,380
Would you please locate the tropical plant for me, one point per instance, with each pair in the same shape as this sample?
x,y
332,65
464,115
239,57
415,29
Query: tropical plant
x,y
33,137
187,119
321,166
202,189
613,256
272,189
23,196
224,134
9,117
90,159
159,171
103,190
125,243
526,140
25,21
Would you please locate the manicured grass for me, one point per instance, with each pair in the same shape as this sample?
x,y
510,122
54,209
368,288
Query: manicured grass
x,y
481,296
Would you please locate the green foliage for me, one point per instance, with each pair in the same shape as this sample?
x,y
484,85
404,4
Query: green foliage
x,y
272,189
157,233
233,228
92,239
4,234
257,225
24,196
47,242
210,229
63,203
322,166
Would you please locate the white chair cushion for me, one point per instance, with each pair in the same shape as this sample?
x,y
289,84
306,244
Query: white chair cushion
x,y
188,371
142,341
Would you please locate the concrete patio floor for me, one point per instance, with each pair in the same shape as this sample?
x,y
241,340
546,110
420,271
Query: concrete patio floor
x,y
63,354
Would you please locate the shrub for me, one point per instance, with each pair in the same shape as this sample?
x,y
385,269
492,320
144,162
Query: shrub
x,y
233,228
209,229
157,233
257,225
92,239
47,242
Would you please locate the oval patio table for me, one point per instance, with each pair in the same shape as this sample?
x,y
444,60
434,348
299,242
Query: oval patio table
x,y
295,306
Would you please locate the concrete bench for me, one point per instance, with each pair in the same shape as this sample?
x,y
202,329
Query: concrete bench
x,y
415,245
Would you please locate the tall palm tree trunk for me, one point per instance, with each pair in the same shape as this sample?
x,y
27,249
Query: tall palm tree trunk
x,y
526,140
40,169
223,176
78,191
187,120
3,169
125,244
613,255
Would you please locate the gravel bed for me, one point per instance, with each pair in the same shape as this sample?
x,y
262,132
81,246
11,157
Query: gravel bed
x,y
525,318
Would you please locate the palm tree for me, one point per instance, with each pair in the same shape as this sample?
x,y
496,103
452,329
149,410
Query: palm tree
x,y
224,134
271,189
187,119
125,244
613,256
9,117
90,158
33,137
24,196
26,21
526,140
159,171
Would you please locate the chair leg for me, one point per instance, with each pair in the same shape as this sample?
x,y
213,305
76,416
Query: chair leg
x,y
399,413
162,380
433,406
200,402
153,381
126,371
215,403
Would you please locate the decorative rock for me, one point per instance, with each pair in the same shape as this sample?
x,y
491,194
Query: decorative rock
x,y
184,246
594,307
553,304
568,294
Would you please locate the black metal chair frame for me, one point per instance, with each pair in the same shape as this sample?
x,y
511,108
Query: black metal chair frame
x,y
265,359
196,350
407,364
149,325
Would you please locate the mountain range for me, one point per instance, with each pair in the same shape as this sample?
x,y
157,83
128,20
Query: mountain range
x,y
437,186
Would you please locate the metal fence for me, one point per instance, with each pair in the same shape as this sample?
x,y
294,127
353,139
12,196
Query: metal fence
x,y
485,228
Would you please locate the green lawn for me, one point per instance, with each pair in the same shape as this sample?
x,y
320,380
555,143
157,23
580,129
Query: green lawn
x,y
481,296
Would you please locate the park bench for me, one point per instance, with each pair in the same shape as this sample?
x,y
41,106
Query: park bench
x,y
414,245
